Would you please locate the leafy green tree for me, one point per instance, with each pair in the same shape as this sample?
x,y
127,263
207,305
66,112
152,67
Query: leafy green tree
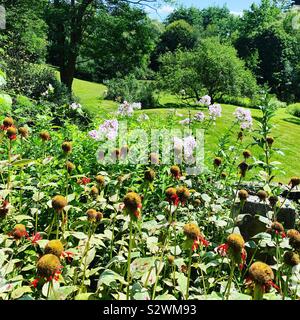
x,y
270,48
68,22
212,68
24,41
117,42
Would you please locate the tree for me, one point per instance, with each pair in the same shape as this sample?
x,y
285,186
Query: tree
x,y
117,42
212,68
24,40
270,48
68,20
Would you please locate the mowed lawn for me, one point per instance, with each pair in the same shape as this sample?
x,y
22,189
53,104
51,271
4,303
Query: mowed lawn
x,y
286,131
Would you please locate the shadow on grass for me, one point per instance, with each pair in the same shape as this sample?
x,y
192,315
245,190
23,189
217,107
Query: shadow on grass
x,y
170,105
293,120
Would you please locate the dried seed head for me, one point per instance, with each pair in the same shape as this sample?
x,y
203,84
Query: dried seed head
x,y
235,242
175,171
92,215
243,195
48,265
223,175
66,147
45,136
261,273
197,203
70,166
132,202
270,140
183,193
273,201
247,154
171,259
295,241
8,122
291,258
100,180
58,203
149,175
19,231
243,166
192,231
54,247
294,182
23,131
217,161
94,191
262,195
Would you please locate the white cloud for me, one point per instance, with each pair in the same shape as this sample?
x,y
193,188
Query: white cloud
x,y
166,9
237,13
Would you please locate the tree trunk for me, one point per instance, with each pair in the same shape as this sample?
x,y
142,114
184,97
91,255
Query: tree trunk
x,y
68,63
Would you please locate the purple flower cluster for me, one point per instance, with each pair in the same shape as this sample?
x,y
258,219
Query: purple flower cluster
x,y
107,130
199,116
126,109
215,111
188,144
243,116
185,121
206,100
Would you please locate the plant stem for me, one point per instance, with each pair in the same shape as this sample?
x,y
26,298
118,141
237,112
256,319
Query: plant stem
x,y
189,274
129,259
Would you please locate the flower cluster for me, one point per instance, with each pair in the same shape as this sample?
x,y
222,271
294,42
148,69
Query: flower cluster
x,y
188,144
75,106
215,111
107,130
206,100
243,116
126,109
199,116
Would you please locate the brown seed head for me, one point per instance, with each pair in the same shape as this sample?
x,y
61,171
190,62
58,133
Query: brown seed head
x,y
291,258
66,147
236,242
243,195
23,131
45,136
192,231
59,202
217,161
262,195
149,175
132,201
54,247
247,154
48,265
8,122
261,273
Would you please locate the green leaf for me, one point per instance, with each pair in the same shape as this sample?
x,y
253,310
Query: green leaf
x,y
23,163
17,293
109,277
62,292
85,296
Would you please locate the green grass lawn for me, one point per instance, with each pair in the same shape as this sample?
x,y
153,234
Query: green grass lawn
x,y
286,130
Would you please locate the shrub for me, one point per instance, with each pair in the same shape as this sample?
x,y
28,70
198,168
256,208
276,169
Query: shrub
x,y
132,90
294,109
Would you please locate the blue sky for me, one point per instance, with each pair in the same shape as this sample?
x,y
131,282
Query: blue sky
x,y
236,6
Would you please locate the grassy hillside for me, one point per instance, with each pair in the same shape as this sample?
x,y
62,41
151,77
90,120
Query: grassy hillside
x,y
286,130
